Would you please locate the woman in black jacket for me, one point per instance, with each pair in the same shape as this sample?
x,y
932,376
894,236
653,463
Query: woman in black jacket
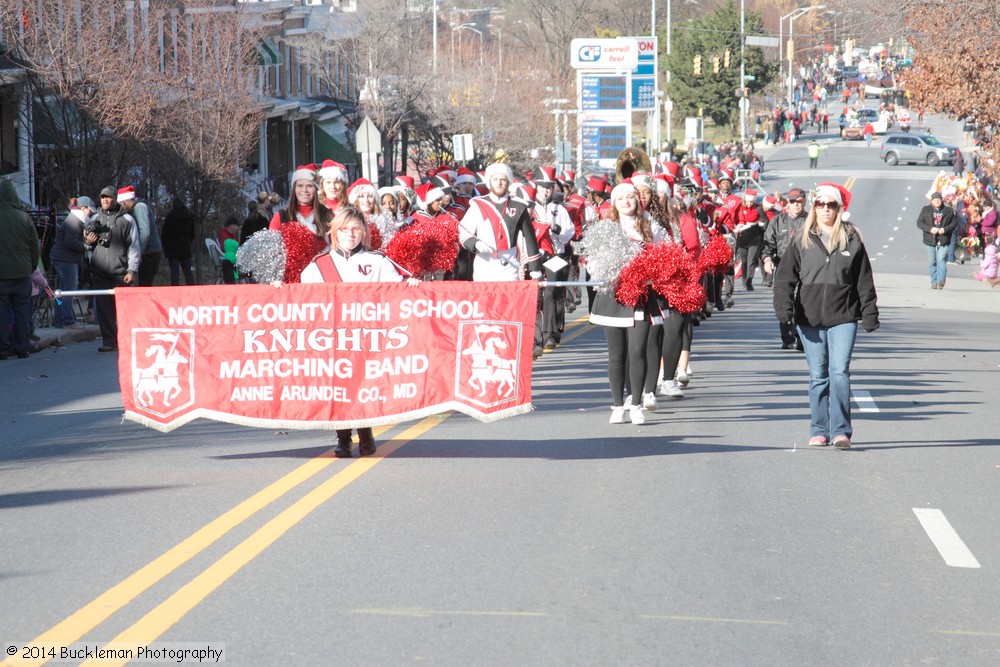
x,y
824,286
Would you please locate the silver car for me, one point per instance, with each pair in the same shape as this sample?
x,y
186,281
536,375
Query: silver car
x,y
914,148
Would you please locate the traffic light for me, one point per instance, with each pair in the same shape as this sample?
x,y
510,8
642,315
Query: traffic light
x,y
715,64
725,58
697,65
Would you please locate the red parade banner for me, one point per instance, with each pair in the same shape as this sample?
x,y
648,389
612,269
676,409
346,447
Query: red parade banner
x,y
325,356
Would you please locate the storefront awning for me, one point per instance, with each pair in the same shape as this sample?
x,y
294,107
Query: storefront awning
x,y
268,53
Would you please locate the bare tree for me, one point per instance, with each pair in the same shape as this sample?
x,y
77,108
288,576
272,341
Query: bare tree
x,y
375,47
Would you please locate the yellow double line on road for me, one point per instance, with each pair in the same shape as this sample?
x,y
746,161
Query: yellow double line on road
x,y
159,620
849,183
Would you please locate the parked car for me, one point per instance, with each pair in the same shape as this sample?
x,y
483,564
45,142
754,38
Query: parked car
x,y
913,148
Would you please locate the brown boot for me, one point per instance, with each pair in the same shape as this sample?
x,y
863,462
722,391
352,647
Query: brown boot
x,y
366,441
343,450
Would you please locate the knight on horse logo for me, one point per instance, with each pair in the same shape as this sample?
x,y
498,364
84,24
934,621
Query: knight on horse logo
x,y
165,384
488,361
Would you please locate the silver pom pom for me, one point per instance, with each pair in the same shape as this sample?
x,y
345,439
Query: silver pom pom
x,y
608,250
385,223
263,257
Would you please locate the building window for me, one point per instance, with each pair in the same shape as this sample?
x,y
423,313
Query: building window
x,y
9,123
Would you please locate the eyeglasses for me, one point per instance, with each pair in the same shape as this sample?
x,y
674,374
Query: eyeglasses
x,y
832,205
797,200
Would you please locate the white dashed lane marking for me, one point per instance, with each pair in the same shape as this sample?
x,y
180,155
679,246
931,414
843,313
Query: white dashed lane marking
x,y
864,400
948,543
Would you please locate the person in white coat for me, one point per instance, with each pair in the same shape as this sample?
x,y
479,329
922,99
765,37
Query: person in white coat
x,y
492,228
348,259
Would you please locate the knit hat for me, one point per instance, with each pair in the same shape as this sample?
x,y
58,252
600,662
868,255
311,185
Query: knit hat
x,y
838,193
388,190
621,189
357,187
331,169
306,172
499,168
936,195
109,191
126,193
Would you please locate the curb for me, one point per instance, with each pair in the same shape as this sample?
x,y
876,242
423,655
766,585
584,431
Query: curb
x,y
53,337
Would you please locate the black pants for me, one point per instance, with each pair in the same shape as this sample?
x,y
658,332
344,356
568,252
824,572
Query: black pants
x,y
149,266
628,362
749,255
107,313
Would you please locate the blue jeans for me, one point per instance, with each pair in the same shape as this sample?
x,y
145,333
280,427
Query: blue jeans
x,y
828,353
68,274
952,245
936,264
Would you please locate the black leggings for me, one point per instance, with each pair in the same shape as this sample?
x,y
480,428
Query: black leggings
x,y
629,355
675,326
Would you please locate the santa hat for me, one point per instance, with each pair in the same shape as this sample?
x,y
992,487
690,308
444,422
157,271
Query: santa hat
x,y
126,193
388,190
427,194
664,185
331,169
357,187
838,193
597,184
306,172
499,168
672,168
405,181
770,202
440,181
750,194
465,175
640,179
446,172
621,189
481,189
547,177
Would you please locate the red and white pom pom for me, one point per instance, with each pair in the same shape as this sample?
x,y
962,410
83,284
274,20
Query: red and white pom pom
x,y
301,246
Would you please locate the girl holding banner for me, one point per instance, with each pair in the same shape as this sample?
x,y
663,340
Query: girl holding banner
x,y
348,259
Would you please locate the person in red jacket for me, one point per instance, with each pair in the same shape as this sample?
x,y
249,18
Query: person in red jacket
x,y
750,222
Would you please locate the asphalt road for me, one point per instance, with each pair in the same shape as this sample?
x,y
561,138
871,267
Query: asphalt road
x,y
709,536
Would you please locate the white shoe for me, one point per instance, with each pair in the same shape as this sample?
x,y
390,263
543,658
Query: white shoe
x,y
683,378
617,415
637,415
671,389
628,401
649,401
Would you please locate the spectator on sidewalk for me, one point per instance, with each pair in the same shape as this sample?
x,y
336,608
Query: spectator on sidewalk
x,y
178,234
19,257
937,222
67,258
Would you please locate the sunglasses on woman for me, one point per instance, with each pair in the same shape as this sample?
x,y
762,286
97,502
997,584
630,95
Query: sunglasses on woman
x,y
832,205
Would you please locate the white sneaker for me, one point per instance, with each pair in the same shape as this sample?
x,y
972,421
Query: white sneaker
x,y
637,415
617,415
670,388
628,401
649,401
683,378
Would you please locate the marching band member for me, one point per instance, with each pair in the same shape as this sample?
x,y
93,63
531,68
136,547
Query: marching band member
x,y
348,259
492,227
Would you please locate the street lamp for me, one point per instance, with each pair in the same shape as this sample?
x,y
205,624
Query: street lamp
x,y
467,26
791,16
499,42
